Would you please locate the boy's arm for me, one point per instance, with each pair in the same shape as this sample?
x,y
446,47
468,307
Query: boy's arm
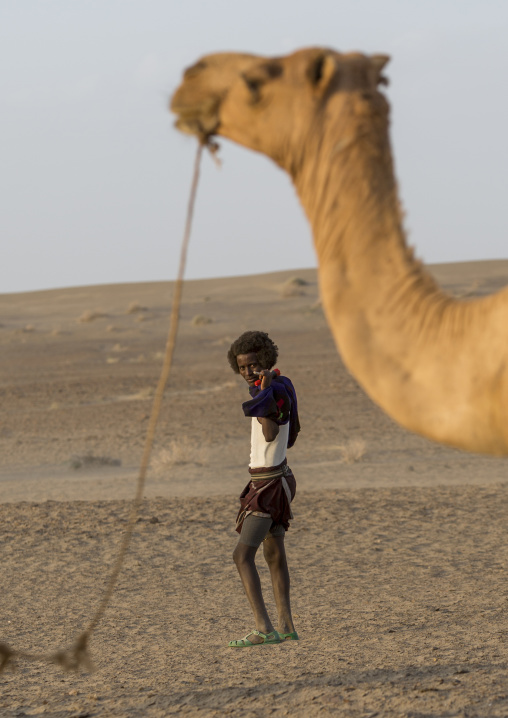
x,y
270,428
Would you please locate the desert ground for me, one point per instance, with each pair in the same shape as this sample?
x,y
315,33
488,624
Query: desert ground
x,y
397,552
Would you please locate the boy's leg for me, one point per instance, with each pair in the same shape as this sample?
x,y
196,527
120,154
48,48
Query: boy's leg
x,y
244,558
275,556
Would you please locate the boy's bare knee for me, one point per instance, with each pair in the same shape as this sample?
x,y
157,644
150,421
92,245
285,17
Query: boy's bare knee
x,y
268,551
243,553
272,552
237,555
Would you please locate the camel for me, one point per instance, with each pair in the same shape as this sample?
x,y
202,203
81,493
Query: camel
x,y
436,364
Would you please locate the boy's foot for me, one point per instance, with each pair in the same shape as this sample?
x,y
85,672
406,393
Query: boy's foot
x,y
289,636
259,639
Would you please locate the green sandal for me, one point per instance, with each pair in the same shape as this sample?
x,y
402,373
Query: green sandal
x,y
268,638
289,636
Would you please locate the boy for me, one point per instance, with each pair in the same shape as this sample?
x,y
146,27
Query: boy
x,y
265,502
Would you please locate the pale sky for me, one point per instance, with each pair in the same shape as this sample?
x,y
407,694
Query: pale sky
x,y
94,180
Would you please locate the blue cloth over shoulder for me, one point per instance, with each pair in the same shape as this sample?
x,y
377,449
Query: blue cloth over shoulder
x,y
278,402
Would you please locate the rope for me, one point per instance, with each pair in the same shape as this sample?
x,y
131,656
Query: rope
x,y
77,656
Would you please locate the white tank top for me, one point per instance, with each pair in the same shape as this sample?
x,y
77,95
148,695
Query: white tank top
x,y
267,453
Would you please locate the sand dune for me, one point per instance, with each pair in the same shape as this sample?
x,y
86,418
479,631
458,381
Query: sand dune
x,y
397,555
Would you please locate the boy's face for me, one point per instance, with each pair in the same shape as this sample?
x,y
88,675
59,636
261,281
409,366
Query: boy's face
x,y
247,365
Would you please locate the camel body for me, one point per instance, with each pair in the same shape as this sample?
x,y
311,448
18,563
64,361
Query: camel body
x,y
436,364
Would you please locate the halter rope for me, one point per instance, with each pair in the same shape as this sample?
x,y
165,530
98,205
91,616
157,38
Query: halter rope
x,y
77,655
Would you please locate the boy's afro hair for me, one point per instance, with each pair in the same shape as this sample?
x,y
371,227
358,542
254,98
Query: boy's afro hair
x,y
257,342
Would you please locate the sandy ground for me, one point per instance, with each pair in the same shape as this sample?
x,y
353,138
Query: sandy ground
x,y
397,552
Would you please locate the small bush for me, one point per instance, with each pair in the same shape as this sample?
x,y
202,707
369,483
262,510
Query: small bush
x,y
200,320
294,287
91,316
316,307
135,307
93,461
178,452
145,393
353,450
470,291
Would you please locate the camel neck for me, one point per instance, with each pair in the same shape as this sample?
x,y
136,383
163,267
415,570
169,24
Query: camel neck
x,y
391,323
348,190
384,309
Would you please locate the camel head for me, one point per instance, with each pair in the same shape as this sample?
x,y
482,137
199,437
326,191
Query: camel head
x,y
272,105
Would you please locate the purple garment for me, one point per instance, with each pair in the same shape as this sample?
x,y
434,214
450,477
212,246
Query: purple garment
x,y
278,402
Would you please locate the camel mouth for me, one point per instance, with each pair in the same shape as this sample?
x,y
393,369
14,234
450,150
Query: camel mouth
x,y
201,120
194,126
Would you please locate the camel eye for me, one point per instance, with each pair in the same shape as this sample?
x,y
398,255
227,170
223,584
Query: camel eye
x,y
259,76
253,84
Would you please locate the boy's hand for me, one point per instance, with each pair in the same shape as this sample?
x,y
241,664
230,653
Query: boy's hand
x,y
266,377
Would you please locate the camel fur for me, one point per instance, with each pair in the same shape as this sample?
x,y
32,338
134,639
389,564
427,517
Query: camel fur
x,y
436,364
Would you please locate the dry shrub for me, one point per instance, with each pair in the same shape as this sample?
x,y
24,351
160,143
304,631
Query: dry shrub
x,y
135,307
93,461
353,450
470,291
316,307
200,320
145,393
178,452
294,287
91,316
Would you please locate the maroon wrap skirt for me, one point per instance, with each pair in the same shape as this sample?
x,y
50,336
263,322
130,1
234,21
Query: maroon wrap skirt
x,y
270,491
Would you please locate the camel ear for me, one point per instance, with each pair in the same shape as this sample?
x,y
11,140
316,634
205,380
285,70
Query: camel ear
x,y
321,71
378,63
257,76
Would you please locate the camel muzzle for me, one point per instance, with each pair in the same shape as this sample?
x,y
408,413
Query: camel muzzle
x,y
201,119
